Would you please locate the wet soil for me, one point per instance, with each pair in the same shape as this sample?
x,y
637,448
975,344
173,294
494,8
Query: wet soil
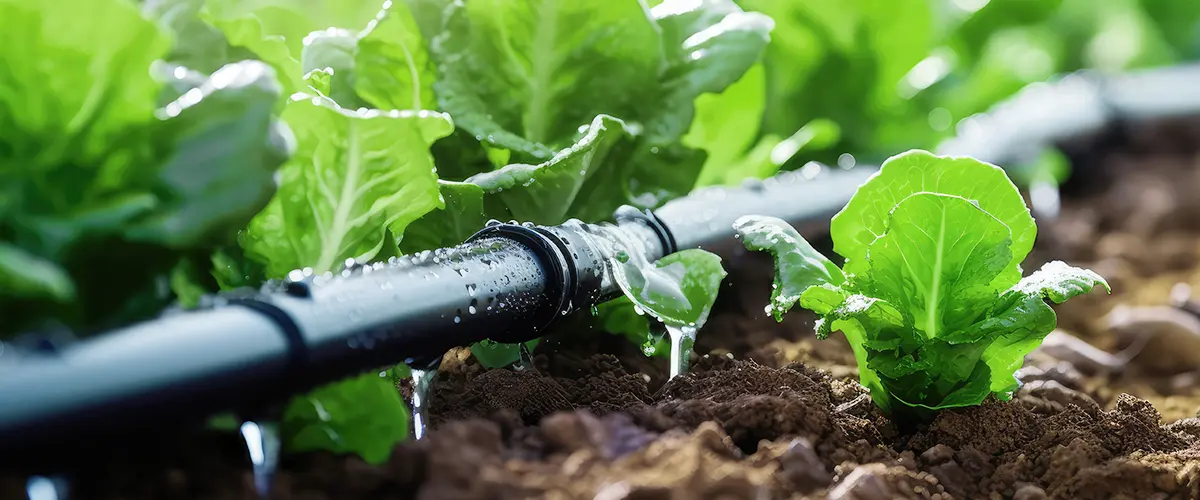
x,y
1110,408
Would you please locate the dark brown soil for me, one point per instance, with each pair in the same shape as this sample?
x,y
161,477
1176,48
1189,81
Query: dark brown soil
x,y
769,412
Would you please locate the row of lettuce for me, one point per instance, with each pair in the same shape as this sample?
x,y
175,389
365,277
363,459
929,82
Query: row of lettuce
x,y
155,151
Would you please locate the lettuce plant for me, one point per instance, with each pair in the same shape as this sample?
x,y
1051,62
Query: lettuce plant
x,y
931,296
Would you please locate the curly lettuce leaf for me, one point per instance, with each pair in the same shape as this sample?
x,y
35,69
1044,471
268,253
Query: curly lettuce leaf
x,y
394,70
516,77
526,74
522,77
937,261
207,37
246,33
865,216
798,266
292,20
545,193
226,147
355,174
860,319
1022,319
709,45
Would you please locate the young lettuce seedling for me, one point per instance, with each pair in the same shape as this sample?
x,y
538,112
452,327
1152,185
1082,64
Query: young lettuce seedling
x,y
931,296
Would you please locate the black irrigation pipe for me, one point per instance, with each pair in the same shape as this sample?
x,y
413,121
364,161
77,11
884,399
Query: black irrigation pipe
x,y
507,283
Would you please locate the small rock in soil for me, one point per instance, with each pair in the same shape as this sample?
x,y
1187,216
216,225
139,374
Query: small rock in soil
x,y
801,467
1166,339
1080,354
1189,427
568,432
1050,397
1030,492
880,482
1058,371
938,454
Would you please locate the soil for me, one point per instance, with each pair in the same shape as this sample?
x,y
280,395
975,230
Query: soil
x,y
1110,408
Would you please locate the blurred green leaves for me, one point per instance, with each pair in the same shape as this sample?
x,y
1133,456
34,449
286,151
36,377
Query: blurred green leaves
x,y
116,166
363,415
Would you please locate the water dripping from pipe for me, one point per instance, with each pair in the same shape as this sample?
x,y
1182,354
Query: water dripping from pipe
x,y
262,442
525,361
682,340
46,488
422,380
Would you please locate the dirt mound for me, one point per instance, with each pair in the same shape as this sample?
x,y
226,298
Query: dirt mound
x,y
1079,452
737,429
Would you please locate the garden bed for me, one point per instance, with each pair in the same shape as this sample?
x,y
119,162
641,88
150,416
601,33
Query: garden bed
x,y
770,412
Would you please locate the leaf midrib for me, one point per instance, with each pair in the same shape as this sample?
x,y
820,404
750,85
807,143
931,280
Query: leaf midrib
x,y
331,247
931,302
543,70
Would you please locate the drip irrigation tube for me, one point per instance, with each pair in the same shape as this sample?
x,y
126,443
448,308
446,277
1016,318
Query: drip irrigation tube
x,y
508,283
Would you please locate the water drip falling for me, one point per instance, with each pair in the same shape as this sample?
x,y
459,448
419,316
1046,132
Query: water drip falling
x,y
262,442
525,361
45,488
422,380
682,340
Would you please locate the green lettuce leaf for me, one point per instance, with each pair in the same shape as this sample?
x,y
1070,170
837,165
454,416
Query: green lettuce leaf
x,y
708,45
355,174
937,261
726,124
798,265
384,66
525,75
199,45
859,318
462,216
23,274
246,33
206,39
293,20
866,46
1022,319
545,193
769,155
679,289
227,146
392,63
865,217
363,415
513,75
499,355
